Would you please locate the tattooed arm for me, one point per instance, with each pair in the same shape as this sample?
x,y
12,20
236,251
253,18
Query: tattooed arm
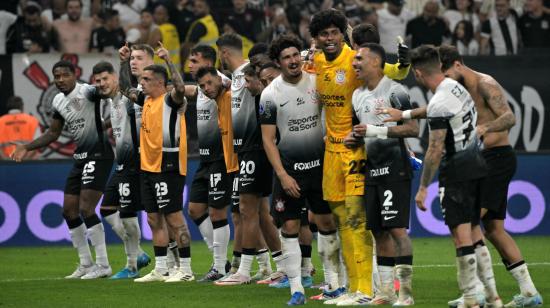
x,y
496,100
125,77
432,159
178,92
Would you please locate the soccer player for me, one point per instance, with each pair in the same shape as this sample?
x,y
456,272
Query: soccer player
x,y
121,201
388,171
453,148
78,107
163,148
290,107
255,175
268,72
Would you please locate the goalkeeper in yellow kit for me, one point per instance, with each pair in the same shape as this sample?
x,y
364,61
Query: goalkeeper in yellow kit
x,y
343,169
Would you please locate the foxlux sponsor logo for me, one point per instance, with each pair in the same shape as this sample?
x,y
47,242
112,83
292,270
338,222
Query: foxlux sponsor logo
x,y
296,125
308,165
380,171
204,151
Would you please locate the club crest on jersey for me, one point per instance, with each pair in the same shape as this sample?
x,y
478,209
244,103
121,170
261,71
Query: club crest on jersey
x,y
75,103
340,77
237,82
279,205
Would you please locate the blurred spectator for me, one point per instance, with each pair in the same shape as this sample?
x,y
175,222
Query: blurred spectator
x,y
16,126
245,21
417,6
181,15
500,33
72,35
392,22
203,30
28,33
278,24
534,25
169,33
109,37
149,31
462,10
55,12
463,39
9,6
427,28
296,10
6,21
128,11
229,27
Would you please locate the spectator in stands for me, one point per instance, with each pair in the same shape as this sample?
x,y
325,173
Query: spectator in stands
x,y
109,37
170,38
534,25
28,34
500,33
72,35
6,21
203,30
246,21
17,127
392,22
463,39
181,15
427,28
129,12
149,31
277,25
55,12
462,10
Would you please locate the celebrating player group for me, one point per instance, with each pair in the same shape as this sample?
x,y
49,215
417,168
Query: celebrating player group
x,y
291,142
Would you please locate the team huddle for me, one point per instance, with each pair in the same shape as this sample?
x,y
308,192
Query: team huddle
x,y
294,143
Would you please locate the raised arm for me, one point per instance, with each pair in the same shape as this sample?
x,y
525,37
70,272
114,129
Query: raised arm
x,y
496,100
178,92
124,76
49,136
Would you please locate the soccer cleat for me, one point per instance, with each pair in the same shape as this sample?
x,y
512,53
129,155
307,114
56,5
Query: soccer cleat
x,y
233,280
357,299
326,295
525,301
298,298
480,298
383,299
343,297
152,277
274,277
281,284
143,260
80,271
409,301
211,276
261,275
125,273
180,276
98,271
497,303
307,281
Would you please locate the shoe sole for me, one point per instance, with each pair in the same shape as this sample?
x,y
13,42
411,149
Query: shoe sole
x,y
224,284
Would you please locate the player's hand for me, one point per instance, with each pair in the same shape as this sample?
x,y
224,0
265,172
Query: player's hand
x,y
421,198
350,141
290,186
19,153
403,56
395,115
481,130
360,130
124,52
163,52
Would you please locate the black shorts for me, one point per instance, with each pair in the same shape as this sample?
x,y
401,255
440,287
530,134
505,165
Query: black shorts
x,y
212,185
88,174
459,202
285,207
255,173
388,205
304,220
123,191
162,192
235,196
501,163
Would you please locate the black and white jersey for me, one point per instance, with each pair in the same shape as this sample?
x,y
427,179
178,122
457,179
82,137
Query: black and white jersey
x,y
453,108
295,110
81,112
247,134
126,123
387,159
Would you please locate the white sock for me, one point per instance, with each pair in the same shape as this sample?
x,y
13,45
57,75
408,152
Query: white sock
x,y
279,260
207,232
78,237
263,261
97,237
173,255
160,265
306,267
485,271
376,277
404,273
131,225
386,279
185,265
116,224
467,269
219,247
246,264
521,274
329,252
292,264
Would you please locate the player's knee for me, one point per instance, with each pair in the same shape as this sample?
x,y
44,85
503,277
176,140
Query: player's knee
x,y
87,212
325,222
70,213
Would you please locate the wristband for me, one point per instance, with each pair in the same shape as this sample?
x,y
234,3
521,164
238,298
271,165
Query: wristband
x,y
377,131
406,115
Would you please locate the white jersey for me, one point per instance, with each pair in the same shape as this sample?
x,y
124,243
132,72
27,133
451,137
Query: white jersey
x,y
453,108
126,123
387,159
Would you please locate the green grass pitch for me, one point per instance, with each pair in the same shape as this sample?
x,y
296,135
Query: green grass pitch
x,y
32,277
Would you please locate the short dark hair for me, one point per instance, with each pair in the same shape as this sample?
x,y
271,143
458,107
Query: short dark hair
x,y
144,47
107,14
231,40
206,51
283,42
258,48
31,9
67,2
14,102
203,71
146,10
378,50
365,33
269,65
327,18
158,70
426,58
250,70
448,54
64,64
102,67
